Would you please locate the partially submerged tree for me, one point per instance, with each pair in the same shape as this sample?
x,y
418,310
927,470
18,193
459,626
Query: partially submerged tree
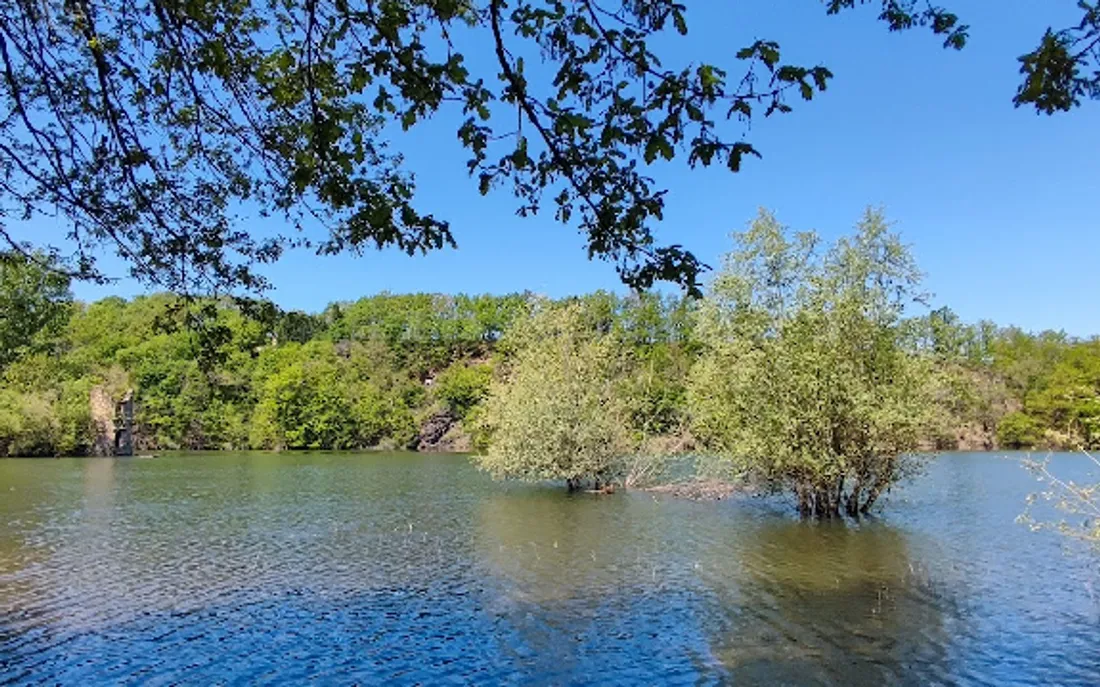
x,y
556,414
805,383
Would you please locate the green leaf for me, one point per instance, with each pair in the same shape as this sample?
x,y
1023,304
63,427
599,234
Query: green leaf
x,y
680,22
737,152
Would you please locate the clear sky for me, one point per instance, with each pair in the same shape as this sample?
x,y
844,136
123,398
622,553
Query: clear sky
x,y
1000,205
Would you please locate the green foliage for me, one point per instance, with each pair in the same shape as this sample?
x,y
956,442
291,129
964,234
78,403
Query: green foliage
x,y
318,398
28,426
304,405
805,383
202,108
1054,386
1024,360
970,396
556,413
462,386
1065,67
45,422
252,377
789,335
655,394
297,327
426,331
1019,430
1067,402
34,302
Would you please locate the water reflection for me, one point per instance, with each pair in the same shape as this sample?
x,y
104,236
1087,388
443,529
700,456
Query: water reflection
x,y
588,582
729,589
826,603
413,569
552,546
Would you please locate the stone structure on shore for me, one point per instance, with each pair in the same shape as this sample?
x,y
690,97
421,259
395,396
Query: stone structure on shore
x,y
113,421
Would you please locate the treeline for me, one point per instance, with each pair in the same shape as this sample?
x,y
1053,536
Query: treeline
x,y
226,374
642,372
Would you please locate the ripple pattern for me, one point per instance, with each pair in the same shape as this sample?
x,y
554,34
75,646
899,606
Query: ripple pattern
x,y
404,569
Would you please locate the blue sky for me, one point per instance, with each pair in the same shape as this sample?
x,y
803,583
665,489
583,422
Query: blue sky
x,y
1000,205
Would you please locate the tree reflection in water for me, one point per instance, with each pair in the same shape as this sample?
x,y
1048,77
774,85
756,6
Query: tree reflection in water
x,y
732,590
828,602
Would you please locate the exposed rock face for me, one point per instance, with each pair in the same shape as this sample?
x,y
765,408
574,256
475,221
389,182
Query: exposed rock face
x,y
442,433
103,420
113,423
124,429
974,438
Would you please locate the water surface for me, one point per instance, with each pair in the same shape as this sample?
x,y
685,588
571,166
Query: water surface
x,y
404,569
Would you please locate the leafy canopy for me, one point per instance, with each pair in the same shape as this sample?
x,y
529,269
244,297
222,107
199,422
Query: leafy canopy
x,y
557,412
152,126
34,304
805,382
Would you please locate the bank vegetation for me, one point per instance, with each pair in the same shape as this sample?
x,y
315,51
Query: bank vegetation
x,y
808,367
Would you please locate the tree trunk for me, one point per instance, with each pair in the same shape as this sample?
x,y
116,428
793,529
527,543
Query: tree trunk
x,y
853,505
872,496
826,504
805,502
838,494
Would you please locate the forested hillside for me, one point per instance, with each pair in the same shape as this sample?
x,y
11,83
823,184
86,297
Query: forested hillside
x,y
413,370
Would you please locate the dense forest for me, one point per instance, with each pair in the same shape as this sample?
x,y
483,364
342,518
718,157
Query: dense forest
x,y
414,371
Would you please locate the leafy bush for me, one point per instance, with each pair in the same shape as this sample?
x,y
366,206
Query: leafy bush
x,y
805,383
556,414
1019,430
462,386
28,425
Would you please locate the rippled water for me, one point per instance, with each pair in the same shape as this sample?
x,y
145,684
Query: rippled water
x,y
401,569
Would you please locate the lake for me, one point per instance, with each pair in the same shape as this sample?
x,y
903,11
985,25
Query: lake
x,y
242,568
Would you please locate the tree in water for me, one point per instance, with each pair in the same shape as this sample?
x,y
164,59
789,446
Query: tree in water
x,y
805,383
556,413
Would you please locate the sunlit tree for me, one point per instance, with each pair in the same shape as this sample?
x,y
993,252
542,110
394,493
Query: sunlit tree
x,y
804,383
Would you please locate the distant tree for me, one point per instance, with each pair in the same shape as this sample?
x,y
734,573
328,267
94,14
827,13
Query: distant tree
x,y
305,405
1066,403
462,386
34,303
972,396
1025,359
1019,430
28,425
321,395
655,334
298,327
805,383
